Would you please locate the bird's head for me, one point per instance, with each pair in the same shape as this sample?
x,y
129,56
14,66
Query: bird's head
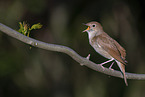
x,y
93,27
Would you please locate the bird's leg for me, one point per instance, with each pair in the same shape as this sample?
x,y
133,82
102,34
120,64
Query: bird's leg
x,y
111,66
105,63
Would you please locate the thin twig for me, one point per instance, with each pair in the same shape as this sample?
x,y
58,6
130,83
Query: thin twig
x,y
68,51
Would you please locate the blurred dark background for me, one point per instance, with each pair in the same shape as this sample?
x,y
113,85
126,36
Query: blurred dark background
x,y
35,72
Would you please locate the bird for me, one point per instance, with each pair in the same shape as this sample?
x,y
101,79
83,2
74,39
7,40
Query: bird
x,y
106,46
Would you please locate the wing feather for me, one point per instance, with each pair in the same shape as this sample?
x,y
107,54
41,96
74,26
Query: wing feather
x,y
112,47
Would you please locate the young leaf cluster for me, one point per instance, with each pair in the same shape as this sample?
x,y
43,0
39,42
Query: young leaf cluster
x,y
25,29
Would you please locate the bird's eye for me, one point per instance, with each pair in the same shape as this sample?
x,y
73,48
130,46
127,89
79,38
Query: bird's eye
x,y
94,25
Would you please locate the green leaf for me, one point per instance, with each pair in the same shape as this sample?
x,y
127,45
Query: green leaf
x,y
25,28
36,26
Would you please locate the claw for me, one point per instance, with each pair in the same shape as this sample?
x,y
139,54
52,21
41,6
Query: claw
x,y
111,69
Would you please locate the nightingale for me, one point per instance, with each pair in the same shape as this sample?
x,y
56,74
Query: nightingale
x,y
106,46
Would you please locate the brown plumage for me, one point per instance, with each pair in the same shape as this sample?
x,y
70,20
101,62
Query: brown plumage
x,y
106,46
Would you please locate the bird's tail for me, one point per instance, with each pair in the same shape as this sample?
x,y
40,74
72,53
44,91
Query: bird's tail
x,y
122,68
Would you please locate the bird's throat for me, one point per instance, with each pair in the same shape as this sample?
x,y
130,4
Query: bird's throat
x,y
92,34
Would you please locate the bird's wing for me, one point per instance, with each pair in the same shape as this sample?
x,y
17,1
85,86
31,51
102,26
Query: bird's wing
x,y
121,49
112,47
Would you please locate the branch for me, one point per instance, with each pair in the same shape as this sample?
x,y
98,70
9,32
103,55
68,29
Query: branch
x,y
68,51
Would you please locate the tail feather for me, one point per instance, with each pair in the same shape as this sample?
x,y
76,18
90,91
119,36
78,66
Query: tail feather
x,y
122,68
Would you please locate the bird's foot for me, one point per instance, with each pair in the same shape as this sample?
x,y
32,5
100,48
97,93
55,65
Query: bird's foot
x,y
111,69
102,66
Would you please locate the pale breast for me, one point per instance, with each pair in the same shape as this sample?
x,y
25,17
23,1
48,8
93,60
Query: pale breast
x,y
101,51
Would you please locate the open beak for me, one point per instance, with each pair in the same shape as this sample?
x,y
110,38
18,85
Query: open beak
x,y
87,28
